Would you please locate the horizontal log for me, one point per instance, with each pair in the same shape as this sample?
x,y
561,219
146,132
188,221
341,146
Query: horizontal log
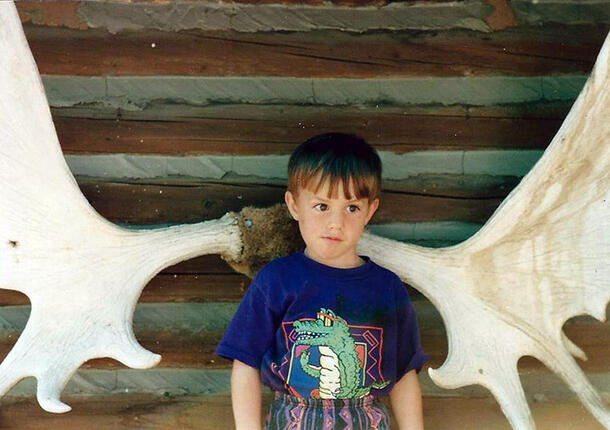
x,y
159,111
516,51
267,130
195,288
203,265
450,185
159,412
157,204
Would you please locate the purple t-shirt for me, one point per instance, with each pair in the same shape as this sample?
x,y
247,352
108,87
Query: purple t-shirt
x,y
320,331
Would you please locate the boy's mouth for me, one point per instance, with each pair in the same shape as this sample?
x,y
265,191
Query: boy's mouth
x,y
336,239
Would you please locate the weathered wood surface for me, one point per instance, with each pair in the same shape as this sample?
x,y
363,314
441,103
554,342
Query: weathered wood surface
x,y
278,130
468,186
175,112
520,51
148,411
155,204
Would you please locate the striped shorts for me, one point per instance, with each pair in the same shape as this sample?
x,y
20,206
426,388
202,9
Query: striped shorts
x,y
294,413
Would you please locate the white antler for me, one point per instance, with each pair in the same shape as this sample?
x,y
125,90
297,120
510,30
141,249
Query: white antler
x,y
542,258
83,275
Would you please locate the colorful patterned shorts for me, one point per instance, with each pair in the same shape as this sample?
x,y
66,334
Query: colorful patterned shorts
x,y
294,413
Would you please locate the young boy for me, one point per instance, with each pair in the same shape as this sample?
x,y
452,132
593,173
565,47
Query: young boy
x,y
326,329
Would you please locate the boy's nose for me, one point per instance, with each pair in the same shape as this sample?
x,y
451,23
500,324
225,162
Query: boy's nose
x,y
335,220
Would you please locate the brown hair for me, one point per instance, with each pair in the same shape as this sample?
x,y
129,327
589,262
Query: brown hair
x,y
336,156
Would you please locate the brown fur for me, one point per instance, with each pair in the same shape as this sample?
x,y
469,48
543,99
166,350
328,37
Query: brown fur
x,y
272,234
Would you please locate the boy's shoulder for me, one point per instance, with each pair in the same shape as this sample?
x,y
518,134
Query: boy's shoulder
x,y
275,266
386,273
390,279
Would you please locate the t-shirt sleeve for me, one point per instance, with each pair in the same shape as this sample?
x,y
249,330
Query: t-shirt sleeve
x,y
408,349
251,329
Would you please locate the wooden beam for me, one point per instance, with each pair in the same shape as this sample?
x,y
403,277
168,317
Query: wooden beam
x,y
195,288
519,51
160,111
156,204
278,130
210,264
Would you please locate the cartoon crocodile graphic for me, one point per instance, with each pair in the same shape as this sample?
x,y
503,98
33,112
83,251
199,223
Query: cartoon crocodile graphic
x,y
339,370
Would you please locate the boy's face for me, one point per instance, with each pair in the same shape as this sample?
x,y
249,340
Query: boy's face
x,y
331,228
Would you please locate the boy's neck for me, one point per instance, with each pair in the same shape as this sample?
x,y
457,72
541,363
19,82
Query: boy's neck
x,y
356,262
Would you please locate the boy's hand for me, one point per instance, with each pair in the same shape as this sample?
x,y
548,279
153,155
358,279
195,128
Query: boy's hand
x,y
406,401
246,396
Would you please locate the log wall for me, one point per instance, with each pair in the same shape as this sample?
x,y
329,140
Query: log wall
x,y
179,111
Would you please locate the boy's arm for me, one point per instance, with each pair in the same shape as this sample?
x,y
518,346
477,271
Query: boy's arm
x,y
406,401
246,396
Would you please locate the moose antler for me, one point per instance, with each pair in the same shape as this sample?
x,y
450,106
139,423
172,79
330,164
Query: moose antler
x,y
504,293
542,258
82,274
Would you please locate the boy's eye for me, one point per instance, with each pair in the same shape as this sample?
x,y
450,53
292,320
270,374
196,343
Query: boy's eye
x,y
351,208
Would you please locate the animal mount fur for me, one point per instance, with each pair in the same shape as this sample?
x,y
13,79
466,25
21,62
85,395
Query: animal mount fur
x,y
504,293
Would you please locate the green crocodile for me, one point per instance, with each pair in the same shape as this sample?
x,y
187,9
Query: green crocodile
x,y
339,370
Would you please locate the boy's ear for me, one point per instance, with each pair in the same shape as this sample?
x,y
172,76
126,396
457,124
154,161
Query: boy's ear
x,y
290,204
372,209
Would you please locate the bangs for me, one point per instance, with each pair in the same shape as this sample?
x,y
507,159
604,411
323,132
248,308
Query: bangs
x,y
313,180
